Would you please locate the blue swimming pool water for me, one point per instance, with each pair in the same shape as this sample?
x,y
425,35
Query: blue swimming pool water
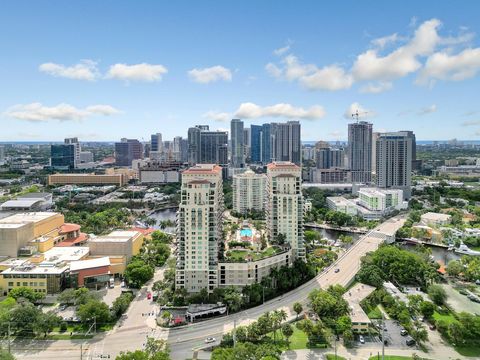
x,y
246,232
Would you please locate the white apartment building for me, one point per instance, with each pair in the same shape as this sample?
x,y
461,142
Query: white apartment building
x,y
380,199
285,205
249,192
339,203
199,228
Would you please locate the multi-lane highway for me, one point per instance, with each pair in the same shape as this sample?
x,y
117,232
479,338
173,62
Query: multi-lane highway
x,y
132,334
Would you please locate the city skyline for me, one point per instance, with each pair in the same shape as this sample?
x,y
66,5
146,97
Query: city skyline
x,y
143,70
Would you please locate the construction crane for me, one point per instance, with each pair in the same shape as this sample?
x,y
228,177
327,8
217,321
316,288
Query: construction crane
x,y
356,115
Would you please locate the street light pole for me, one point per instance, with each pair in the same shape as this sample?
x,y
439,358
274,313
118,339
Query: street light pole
x,y
383,337
9,350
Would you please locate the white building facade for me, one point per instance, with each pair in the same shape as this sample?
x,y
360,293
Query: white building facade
x,y
285,205
199,228
249,192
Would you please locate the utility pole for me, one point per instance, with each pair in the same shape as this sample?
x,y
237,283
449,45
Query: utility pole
x,y
234,332
9,350
383,337
263,294
94,324
81,351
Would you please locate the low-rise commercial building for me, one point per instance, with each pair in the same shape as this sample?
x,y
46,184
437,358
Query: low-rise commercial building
x,y
91,273
46,273
435,219
360,320
155,172
117,243
240,274
88,179
29,202
380,199
18,230
339,203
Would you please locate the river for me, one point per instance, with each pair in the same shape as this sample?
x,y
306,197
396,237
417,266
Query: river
x,y
438,253
165,214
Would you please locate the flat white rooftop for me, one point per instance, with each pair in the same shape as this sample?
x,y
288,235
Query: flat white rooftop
x,y
89,264
27,217
66,253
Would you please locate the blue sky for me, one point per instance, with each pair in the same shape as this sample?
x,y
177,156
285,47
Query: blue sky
x,y
102,70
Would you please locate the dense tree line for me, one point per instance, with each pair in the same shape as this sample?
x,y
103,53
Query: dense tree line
x,y
390,263
154,350
99,222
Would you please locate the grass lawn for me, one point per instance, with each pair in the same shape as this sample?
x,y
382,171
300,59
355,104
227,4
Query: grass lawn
x,y
239,255
449,318
298,340
332,357
394,357
375,313
470,351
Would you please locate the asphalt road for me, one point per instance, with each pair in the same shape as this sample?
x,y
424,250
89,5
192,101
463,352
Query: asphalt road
x,y
133,332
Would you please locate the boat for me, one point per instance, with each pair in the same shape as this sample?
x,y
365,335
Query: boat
x,y
465,250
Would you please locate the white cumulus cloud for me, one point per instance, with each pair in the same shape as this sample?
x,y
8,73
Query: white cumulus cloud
x,y
37,112
137,72
444,66
400,62
84,70
376,88
332,77
211,74
250,110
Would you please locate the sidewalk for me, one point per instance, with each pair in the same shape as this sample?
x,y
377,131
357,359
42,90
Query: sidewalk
x,y
364,353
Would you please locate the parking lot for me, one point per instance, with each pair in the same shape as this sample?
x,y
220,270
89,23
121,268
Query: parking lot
x,y
392,335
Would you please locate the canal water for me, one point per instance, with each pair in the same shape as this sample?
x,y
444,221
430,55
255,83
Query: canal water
x,y
439,254
170,214
330,234
162,215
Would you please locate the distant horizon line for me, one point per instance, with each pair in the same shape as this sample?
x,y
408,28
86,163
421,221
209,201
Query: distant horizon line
x,y
307,142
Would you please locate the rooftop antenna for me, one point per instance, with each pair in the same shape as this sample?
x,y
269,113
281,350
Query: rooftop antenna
x,y
356,115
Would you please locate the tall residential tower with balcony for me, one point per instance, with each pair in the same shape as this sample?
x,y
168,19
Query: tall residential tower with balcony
x,y
199,228
285,205
249,192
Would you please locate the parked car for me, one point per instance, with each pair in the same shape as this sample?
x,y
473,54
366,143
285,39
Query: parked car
x,y
149,295
362,339
410,341
337,270
122,284
63,307
432,327
403,332
210,340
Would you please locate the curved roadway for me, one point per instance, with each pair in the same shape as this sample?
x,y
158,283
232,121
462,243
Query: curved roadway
x,y
183,340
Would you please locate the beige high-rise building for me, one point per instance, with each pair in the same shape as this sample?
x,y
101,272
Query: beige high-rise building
x,y
249,192
285,205
199,228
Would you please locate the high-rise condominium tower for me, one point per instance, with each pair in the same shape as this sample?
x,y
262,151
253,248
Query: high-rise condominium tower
x,y
199,228
394,161
360,151
156,143
285,205
286,142
249,192
207,147
237,143
128,150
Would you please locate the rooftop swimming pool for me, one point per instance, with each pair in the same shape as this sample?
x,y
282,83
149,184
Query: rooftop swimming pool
x,y
246,232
